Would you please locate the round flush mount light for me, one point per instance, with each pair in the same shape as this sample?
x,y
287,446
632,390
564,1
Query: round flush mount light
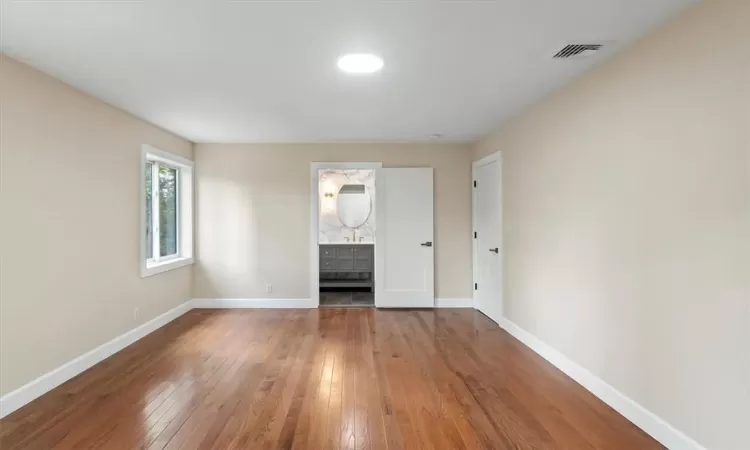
x,y
360,63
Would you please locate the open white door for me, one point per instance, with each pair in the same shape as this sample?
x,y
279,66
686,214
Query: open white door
x,y
487,242
404,246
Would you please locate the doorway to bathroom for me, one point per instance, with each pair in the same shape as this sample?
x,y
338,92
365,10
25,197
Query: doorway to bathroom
x,y
343,218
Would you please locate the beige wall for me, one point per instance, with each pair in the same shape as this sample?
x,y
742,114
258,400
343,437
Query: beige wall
x,y
627,222
253,219
69,183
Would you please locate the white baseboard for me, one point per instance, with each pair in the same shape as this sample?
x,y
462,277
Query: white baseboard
x,y
50,380
454,303
640,416
649,422
284,303
230,303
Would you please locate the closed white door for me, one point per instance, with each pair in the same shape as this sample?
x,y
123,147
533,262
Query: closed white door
x,y
404,243
487,243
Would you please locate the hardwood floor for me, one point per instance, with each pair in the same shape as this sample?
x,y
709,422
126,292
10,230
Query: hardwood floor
x,y
323,379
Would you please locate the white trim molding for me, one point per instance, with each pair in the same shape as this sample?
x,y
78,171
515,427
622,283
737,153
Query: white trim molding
x,y
300,303
185,192
246,303
50,380
454,303
649,422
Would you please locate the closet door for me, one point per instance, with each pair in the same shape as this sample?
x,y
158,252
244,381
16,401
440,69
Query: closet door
x,y
488,246
404,246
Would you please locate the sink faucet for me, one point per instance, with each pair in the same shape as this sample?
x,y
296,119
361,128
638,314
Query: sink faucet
x,y
354,235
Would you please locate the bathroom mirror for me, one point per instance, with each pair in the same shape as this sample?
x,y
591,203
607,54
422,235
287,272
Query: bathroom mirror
x,y
353,205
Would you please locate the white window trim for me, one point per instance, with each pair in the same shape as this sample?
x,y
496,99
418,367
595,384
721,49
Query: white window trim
x,y
185,191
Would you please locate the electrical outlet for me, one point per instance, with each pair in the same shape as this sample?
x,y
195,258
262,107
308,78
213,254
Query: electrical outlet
x,y
269,288
135,314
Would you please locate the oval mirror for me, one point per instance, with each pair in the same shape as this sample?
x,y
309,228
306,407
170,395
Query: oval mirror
x,y
353,205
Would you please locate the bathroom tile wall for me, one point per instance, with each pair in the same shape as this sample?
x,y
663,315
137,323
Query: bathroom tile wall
x,y
330,228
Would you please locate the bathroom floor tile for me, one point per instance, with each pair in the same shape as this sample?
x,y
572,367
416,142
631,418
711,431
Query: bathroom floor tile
x,y
347,299
363,298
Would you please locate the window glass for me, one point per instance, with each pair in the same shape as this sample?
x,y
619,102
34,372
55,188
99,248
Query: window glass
x,y
167,194
149,221
167,211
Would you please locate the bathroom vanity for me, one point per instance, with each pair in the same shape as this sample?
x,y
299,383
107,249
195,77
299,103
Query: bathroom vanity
x,y
346,233
347,265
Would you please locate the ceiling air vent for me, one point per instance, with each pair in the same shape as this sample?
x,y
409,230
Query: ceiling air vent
x,y
578,50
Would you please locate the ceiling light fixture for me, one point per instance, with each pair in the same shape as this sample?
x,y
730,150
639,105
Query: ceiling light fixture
x,y
360,63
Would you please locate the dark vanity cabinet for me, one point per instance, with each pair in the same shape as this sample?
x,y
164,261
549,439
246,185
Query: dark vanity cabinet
x,y
346,265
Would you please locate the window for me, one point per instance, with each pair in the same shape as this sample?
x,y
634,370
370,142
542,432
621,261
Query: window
x,y
167,205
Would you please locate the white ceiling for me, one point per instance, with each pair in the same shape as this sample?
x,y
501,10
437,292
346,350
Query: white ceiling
x,y
265,70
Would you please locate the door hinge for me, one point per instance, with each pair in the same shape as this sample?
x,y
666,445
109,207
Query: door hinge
x,y
475,235
475,183
476,287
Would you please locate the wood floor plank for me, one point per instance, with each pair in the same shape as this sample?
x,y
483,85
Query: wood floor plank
x,y
297,431
442,380
321,411
374,425
406,419
322,379
332,438
56,413
432,425
219,400
116,415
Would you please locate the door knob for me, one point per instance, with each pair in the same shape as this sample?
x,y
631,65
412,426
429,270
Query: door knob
x,y
426,244
495,250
